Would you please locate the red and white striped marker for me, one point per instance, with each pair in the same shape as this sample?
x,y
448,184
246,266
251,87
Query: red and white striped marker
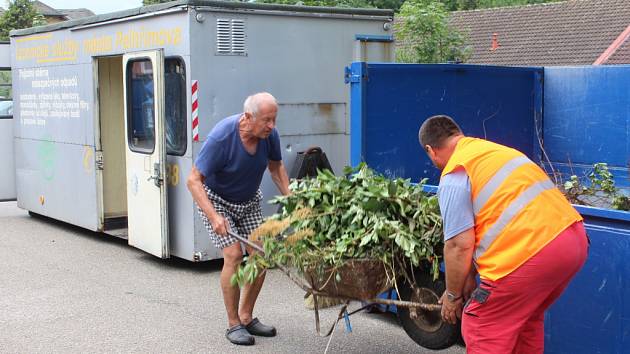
x,y
195,111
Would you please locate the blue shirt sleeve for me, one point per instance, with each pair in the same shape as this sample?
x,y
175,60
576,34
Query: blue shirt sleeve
x,y
211,157
455,199
275,153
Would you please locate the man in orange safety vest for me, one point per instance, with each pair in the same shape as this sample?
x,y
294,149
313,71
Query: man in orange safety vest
x,y
506,221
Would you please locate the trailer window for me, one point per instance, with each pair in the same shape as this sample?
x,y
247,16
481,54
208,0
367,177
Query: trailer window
x,y
141,111
6,94
175,106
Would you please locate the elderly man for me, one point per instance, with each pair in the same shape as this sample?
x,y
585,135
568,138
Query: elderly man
x,y
225,182
503,215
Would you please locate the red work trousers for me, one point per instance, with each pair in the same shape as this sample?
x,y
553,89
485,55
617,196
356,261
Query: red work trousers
x,y
511,317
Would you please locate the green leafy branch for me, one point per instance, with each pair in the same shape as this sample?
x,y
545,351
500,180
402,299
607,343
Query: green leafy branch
x,y
596,189
360,215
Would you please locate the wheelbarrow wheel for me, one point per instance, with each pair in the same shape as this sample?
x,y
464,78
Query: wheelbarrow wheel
x,y
426,327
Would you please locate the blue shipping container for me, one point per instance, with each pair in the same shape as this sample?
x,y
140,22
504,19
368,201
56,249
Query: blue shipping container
x,y
579,115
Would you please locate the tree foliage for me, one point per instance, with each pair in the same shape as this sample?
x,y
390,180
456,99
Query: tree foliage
x,y
5,78
426,36
20,14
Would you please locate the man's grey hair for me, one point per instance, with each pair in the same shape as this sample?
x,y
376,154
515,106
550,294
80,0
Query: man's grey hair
x,y
252,103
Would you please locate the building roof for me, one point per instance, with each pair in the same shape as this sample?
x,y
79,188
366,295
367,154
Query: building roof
x,y
64,14
46,10
574,32
72,14
621,55
209,4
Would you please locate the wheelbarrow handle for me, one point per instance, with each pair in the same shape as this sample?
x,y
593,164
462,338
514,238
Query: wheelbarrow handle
x,y
246,241
298,281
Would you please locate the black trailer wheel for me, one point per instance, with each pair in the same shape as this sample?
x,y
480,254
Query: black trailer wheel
x,y
426,327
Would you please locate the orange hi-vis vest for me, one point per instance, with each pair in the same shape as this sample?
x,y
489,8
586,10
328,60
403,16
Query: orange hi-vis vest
x,y
518,210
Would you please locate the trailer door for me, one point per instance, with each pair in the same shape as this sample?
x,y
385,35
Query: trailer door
x,y
146,151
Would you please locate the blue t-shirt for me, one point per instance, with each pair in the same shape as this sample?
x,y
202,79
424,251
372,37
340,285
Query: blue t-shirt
x,y
455,199
231,171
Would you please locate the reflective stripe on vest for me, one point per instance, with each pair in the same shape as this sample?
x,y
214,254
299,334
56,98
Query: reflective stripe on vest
x,y
510,212
496,180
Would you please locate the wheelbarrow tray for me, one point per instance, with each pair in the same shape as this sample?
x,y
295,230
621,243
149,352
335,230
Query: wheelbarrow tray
x,y
361,279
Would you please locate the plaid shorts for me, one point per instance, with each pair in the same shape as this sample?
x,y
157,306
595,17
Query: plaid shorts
x,y
243,217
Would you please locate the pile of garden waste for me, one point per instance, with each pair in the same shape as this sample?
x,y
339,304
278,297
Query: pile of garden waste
x,y
331,220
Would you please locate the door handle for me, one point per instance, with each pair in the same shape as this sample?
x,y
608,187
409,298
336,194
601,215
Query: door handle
x,y
157,175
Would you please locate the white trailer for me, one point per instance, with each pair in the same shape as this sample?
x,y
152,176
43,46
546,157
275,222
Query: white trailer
x,y
7,167
111,111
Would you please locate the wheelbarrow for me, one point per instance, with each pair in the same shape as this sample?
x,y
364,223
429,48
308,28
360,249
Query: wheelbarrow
x,y
365,289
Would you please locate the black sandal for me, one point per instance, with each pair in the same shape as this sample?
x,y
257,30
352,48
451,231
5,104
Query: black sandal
x,y
256,328
239,335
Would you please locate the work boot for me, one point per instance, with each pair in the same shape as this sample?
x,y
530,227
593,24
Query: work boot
x,y
239,335
256,328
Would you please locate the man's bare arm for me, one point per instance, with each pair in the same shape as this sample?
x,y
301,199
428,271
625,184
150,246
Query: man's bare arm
x,y
279,176
458,252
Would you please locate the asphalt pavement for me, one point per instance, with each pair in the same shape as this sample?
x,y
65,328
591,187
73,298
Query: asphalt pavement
x,y
64,289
